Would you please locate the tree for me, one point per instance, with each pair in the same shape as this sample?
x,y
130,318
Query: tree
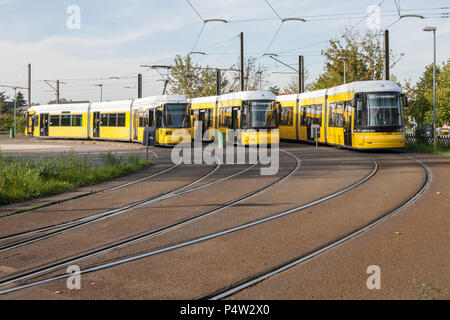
x,y
275,90
420,106
3,103
254,76
292,86
61,101
20,100
442,96
193,80
365,59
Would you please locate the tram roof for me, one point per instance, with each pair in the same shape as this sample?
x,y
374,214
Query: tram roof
x,y
120,105
204,99
57,108
302,96
155,101
365,86
248,95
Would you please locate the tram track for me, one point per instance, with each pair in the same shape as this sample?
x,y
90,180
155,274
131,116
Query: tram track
x,y
68,226
147,235
185,243
238,286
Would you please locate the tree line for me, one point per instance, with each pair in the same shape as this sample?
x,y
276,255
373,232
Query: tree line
x,y
364,53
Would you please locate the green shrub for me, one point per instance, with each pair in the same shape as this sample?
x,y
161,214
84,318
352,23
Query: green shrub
x,y
27,179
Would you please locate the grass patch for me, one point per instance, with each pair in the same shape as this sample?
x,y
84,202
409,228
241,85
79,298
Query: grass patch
x,y
28,179
427,292
424,147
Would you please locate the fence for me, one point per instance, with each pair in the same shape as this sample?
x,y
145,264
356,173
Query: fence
x,y
441,140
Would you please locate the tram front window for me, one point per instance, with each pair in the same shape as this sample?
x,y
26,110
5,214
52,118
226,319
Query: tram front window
x,y
263,114
176,116
384,109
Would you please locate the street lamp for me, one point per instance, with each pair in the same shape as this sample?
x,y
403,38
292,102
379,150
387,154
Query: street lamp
x,y
101,91
345,59
434,83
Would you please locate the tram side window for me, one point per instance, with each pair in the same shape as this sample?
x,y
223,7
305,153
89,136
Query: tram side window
x,y
303,116
221,117
319,114
55,121
65,120
36,121
112,120
158,118
348,114
287,116
359,116
121,119
151,119
332,115
143,122
77,120
228,118
340,121
104,119
244,114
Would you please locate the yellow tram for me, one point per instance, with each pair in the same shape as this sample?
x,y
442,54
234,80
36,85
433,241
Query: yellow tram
x,y
247,117
116,120
359,115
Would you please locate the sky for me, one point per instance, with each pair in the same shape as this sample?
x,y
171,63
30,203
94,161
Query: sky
x,y
86,43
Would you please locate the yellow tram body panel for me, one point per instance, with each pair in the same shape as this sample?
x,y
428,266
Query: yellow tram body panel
x,y
72,131
335,134
115,132
288,119
379,140
271,136
206,106
309,102
169,137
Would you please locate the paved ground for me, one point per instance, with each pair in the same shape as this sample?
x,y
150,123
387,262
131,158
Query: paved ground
x,y
408,247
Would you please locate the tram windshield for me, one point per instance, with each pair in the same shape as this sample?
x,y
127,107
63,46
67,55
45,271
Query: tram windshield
x,y
176,116
384,109
263,114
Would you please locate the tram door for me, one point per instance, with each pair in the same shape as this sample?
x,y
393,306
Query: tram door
x,y
30,124
45,118
309,120
96,125
202,119
136,123
348,126
234,125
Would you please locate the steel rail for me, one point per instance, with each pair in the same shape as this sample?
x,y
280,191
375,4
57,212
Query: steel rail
x,y
234,288
150,234
71,225
196,240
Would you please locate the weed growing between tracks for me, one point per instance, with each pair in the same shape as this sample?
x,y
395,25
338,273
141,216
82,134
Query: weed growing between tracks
x,y
427,292
26,179
423,147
